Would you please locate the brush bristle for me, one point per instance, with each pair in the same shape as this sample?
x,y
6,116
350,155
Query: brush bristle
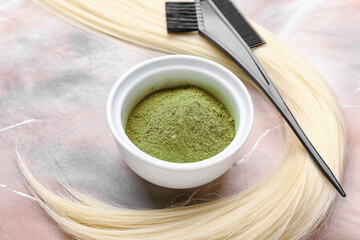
x,y
236,19
181,17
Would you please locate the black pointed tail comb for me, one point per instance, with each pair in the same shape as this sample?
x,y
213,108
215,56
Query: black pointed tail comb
x,y
220,22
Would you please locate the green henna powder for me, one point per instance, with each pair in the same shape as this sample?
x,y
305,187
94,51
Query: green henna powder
x,y
182,124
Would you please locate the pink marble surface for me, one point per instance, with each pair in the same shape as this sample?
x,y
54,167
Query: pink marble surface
x,y
54,81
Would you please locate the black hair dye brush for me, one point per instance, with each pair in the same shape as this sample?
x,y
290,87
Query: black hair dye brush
x,y
221,23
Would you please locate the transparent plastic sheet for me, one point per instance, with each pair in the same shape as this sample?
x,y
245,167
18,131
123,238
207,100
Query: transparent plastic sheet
x,y
54,82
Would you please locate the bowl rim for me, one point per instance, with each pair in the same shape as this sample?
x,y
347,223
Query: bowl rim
x,y
126,143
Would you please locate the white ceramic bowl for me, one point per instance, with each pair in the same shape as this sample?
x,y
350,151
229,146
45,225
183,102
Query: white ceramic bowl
x,y
171,71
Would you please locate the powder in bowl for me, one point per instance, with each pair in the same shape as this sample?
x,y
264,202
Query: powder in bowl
x,y
183,124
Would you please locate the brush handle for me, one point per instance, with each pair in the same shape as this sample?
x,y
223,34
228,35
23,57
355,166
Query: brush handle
x,y
278,102
218,30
